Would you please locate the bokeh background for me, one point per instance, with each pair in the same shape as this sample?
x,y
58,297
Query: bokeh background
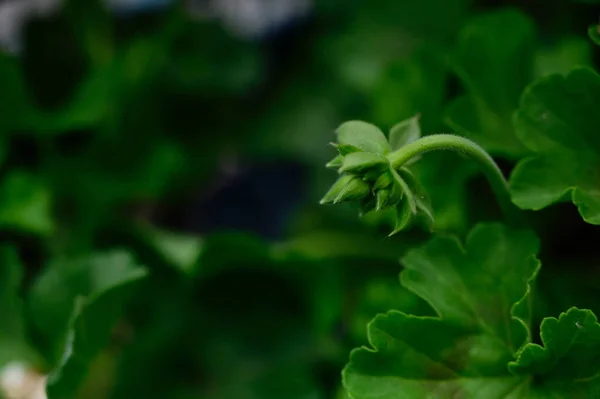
x,y
193,136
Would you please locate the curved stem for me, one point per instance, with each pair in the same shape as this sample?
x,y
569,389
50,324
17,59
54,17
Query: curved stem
x,y
470,149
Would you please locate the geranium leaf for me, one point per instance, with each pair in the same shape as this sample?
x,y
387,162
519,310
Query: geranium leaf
x,y
494,74
13,342
465,350
568,361
74,305
558,120
25,204
562,56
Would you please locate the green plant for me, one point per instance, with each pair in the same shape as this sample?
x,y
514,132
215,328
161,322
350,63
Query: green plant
x,y
376,172
482,342
161,234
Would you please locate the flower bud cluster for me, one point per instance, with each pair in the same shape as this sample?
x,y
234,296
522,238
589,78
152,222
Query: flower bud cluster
x,y
367,175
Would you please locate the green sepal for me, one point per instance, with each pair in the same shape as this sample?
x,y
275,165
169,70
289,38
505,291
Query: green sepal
x,y
405,191
346,188
359,162
404,216
335,163
363,135
422,200
345,149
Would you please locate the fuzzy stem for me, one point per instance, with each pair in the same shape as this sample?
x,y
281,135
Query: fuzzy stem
x,y
470,149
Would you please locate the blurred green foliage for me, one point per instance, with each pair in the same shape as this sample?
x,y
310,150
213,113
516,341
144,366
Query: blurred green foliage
x,y
115,132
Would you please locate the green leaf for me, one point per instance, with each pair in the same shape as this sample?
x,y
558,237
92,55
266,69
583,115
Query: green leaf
x,y
558,120
453,279
422,357
447,190
359,162
16,105
568,359
494,74
594,33
571,346
179,250
464,351
96,98
13,342
562,56
334,244
363,135
206,58
74,305
411,86
25,204
93,28
405,132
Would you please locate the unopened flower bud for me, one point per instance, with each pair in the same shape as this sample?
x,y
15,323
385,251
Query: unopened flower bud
x,y
346,188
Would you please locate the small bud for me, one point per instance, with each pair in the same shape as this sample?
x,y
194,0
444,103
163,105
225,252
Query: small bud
x,y
346,188
335,163
359,162
383,181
